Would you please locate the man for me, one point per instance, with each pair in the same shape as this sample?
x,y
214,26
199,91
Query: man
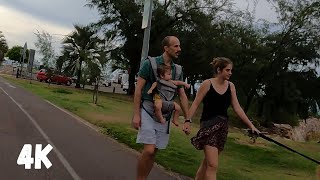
x,y
153,134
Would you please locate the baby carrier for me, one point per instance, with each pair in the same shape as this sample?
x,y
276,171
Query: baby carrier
x,y
166,90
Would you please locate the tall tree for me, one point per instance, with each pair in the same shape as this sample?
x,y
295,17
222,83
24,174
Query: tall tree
x,y
82,46
44,45
15,54
3,46
292,44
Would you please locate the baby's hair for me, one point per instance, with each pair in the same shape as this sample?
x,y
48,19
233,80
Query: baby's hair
x,y
162,69
221,63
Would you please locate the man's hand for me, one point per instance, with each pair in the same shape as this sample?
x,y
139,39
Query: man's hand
x,y
187,86
136,121
186,128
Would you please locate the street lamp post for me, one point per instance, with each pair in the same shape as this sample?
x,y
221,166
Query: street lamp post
x,y
146,25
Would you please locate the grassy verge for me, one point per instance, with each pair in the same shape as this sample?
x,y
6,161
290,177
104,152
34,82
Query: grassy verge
x,y
240,160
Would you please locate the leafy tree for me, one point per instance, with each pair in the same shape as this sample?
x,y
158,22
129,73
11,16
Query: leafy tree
x,y
82,48
15,54
3,46
44,45
294,44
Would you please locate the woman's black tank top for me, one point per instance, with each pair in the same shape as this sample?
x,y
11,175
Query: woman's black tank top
x,y
215,104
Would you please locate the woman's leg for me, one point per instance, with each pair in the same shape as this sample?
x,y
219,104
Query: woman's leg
x,y
202,170
211,156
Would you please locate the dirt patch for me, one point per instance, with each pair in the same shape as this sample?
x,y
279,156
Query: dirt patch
x,y
250,142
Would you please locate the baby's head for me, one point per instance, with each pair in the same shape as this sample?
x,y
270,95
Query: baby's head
x,y
165,72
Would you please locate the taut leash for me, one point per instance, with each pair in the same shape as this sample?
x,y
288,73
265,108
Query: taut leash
x,y
282,145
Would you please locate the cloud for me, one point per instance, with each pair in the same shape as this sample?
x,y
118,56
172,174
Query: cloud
x,y
263,9
19,27
20,19
63,12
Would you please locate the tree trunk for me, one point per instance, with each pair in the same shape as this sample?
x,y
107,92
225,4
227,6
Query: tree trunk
x,y
134,68
97,91
249,100
95,94
260,108
131,83
78,76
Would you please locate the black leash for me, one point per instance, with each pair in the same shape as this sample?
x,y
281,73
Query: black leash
x,y
282,145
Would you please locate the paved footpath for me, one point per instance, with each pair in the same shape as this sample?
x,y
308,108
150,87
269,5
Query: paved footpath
x,y
79,151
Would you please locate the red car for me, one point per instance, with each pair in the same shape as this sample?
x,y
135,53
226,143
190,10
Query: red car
x,y
42,75
59,79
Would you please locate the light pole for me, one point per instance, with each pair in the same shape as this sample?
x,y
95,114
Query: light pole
x,y
146,25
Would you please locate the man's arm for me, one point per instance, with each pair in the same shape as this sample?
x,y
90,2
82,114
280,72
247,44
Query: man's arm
x,y
136,121
184,105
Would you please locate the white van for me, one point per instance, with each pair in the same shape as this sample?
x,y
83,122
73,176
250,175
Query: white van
x,y
125,81
197,85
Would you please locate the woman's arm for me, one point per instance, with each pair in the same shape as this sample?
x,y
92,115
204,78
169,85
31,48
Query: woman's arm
x,y
238,110
204,88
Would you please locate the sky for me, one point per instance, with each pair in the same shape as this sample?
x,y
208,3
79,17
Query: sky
x,y
20,19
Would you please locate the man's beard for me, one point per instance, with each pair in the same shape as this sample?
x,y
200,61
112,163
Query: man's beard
x,y
174,57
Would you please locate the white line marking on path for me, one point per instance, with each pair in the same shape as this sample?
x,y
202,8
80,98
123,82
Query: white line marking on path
x,y
45,136
8,84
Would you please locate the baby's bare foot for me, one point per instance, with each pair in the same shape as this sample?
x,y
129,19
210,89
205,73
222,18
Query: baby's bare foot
x,y
175,123
162,121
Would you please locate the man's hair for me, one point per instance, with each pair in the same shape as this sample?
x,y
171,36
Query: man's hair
x,y
165,42
162,69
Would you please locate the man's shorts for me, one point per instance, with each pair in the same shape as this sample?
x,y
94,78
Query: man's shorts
x,y
152,132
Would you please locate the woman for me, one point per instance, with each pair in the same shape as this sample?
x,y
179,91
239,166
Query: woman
x,y
217,94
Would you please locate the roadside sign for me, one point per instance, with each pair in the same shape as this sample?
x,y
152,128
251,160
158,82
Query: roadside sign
x,y
31,59
24,51
146,14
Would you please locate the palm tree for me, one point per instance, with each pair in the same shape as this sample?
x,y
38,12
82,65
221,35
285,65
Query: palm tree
x,y
82,46
3,46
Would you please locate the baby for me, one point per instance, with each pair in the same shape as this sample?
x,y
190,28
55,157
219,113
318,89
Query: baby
x,y
166,75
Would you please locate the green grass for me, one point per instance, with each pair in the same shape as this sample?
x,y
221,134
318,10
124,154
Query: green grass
x,y
240,159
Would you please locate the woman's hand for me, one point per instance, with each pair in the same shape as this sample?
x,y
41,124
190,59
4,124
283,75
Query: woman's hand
x,y
254,130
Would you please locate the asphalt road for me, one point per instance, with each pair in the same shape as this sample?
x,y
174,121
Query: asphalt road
x,y
79,151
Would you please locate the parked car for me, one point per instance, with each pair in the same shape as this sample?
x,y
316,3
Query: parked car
x,y
60,79
42,75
